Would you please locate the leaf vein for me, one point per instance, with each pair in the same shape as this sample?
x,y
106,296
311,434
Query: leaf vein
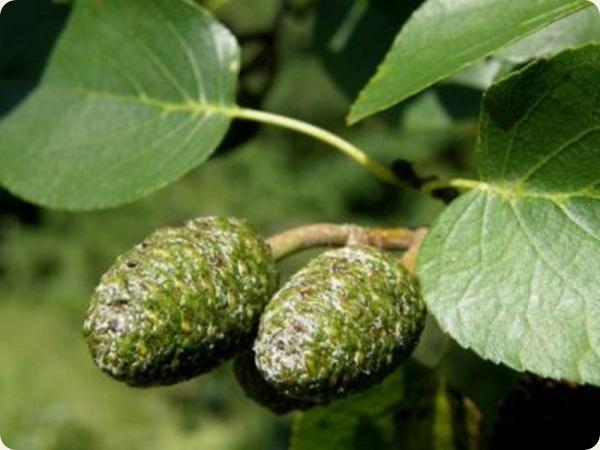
x,y
187,49
577,223
557,152
158,63
515,131
528,234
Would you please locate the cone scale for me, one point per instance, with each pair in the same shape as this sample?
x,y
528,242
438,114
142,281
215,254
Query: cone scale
x,y
340,325
181,302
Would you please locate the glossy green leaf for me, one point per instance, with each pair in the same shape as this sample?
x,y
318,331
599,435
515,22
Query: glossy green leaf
x,y
572,31
511,268
413,409
135,95
444,36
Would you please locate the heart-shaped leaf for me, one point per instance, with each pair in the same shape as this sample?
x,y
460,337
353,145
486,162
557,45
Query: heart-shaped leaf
x,y
444,36
512,269
136,94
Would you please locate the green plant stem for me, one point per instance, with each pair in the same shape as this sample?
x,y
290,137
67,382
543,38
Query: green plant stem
x,y
350,150
457,183
292,241
378,170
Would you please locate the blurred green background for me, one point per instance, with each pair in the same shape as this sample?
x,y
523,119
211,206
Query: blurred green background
x,y
297,62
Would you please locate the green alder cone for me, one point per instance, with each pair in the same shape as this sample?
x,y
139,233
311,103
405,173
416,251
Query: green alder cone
x,y
181,302
340,325
259,390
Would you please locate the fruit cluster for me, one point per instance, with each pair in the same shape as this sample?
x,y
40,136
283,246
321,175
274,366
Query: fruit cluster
x,y
188,298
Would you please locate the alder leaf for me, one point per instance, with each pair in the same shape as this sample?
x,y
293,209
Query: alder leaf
x,y
135,95
512,268
444,36
573,31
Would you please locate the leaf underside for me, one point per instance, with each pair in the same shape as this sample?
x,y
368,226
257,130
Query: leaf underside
x,y
135,95
512,268
445,36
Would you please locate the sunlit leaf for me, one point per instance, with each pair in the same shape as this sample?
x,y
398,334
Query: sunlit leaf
x,y
511,268
135,95
444,36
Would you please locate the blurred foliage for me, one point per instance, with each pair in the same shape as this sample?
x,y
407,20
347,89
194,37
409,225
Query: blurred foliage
x,y
51,395
413,408
347,31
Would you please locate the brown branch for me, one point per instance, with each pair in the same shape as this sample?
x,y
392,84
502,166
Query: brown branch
x,y
410,257
333,235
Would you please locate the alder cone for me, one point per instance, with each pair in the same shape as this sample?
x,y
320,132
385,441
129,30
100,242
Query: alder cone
x,y
259,390
181,302
340,325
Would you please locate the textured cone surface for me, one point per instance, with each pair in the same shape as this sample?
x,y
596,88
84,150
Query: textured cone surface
x,y
339,325
181,302
259,390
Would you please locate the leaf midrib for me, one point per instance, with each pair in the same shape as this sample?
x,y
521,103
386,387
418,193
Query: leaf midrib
x,y
516,192
167,107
